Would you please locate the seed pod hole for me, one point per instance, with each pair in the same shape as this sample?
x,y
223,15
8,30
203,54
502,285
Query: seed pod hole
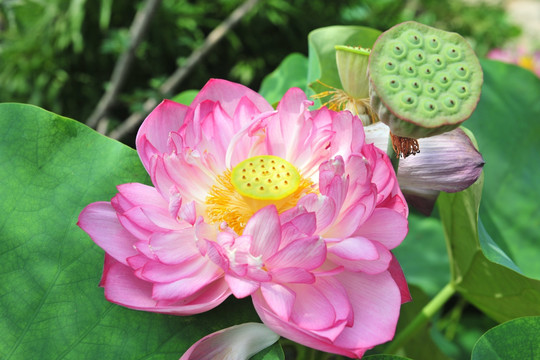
x,y
407,68
450,102
415,85
461,89
417,57
452,52
427,71
430,106
390,66
414,38
462,71
434,43
408,99
394,83
437,61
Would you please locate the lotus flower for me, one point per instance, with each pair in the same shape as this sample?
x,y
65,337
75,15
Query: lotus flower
x,y
288,206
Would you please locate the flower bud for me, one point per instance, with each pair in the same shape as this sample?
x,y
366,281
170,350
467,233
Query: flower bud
x,y
352,64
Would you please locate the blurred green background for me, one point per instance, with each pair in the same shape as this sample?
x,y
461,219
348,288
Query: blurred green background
x,y
59,54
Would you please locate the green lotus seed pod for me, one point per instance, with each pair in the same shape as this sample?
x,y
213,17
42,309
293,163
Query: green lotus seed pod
x,y
423,81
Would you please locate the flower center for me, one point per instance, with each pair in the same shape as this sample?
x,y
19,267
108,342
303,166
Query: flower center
x,y
253,184
265,177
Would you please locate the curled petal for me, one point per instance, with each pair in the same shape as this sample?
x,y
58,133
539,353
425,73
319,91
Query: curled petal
x,y
185,287
376,302
265,229
279,298
367,263
355,248
154,131
100,221
135,194
238,342
397,274
229,94
291,331
241,287
385,226
307,253
124,288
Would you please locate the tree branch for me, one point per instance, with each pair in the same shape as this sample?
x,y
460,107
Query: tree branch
x,y
123,65
166,89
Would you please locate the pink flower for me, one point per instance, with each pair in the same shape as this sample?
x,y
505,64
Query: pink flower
x,y
520,56
289,206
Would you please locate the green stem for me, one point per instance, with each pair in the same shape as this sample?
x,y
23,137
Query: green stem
x,y
421,319
394,158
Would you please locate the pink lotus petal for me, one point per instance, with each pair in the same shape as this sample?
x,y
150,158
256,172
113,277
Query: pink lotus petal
x,y
138,230
307,253
161,218
139,222
342,124
99,220
228,94
337,294
167,117
191,177
123,288
291,331
297,224
137,262
376,228
376,301
160,178
157,272
348,222
305,224
371,266
241,287
288,129
264,228
175,202
293,275
397,274
135,194
312,310
183,288
279,298
239,342
324,208
355,248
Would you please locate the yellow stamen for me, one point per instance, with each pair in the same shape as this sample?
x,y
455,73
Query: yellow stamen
x,y
240,193
340,100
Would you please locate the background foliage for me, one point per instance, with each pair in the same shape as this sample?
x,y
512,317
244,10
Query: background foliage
x,y
59,54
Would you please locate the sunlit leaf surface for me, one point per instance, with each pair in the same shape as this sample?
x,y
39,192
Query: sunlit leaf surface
x,y
51,305
514,340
